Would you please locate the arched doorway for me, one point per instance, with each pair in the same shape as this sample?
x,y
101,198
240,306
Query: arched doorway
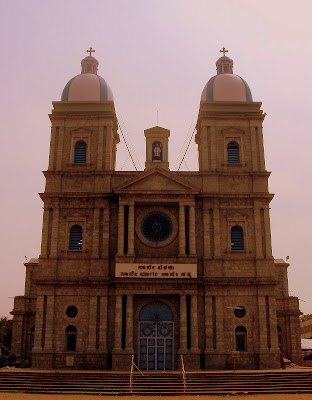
x,y
156,329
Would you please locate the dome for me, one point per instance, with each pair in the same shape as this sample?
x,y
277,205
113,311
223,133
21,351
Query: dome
x,y
226,86
88,86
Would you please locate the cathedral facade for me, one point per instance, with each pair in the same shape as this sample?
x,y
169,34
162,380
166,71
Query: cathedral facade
x,y
156,263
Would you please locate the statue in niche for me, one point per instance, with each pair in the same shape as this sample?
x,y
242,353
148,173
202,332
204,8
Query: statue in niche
x,y
157,151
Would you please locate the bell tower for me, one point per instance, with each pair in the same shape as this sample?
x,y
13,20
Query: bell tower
x,y
157,147
84,124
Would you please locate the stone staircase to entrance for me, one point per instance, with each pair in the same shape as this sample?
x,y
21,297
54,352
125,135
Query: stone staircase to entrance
x,y
197,383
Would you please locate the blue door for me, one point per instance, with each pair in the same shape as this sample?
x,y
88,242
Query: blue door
x,y
156,337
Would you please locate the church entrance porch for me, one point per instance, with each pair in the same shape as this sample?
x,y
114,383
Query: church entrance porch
x,y
156,335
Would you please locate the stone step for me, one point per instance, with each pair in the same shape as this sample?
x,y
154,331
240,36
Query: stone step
x,y
156,383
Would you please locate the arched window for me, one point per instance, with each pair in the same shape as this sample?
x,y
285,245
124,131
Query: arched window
x,y
233,153
237,238
71,338
80,156
241,338
75,238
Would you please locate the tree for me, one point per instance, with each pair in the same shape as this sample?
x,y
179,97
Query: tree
x,y
5,334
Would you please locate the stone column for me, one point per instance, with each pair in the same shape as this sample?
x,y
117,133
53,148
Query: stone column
x,y
213,149
118,323
255,155
267,229
208,323
92,323
39,323
17,335
106,219
194,324
49,326
121,229
263,334
45,232
108,148
216,228
261,149
129,325
183,325
273,323
192,230
54,234
207,252
103,325
96,233
219,324
131,230
181,230
257,219
60,145
100,148
52,148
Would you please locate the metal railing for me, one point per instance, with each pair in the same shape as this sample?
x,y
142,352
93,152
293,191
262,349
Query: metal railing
x,y
133,365
183,374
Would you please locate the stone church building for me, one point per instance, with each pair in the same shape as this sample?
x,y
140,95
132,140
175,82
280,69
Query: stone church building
x,y
156,263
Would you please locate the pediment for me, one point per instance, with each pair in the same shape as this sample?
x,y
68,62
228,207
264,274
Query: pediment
x,y
237,215
231,130
155,180
81,131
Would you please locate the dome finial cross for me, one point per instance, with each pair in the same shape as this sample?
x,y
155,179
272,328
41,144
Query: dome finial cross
x,y
90,51
224,51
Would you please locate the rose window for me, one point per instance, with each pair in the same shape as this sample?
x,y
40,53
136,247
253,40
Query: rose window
x,y
156,227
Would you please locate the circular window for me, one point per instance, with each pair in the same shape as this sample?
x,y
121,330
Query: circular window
x,y
240,312
156,227
71,311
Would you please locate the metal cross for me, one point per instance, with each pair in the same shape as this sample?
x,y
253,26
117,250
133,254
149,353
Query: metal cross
x,y
90,51
224,51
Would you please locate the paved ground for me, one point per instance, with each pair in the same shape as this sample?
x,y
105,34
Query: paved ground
x,y
24,396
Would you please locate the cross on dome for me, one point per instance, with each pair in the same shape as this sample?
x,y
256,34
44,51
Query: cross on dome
x,y
90,51
224,51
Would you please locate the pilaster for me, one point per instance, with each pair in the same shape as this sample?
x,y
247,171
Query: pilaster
x,y
129,325
181,229
183,325
131,230
121,229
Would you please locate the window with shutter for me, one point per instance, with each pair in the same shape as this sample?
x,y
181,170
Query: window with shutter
x,y
75,238
80,156
237,238
233,153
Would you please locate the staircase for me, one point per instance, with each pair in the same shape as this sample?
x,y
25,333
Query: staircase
x,y
161,383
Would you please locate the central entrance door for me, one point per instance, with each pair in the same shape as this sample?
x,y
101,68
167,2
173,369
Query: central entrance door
x,y
156,337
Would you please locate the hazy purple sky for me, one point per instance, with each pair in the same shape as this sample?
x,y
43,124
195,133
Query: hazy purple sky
x,y
155,55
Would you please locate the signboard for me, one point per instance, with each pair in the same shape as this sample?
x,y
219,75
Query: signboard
x,y
142,270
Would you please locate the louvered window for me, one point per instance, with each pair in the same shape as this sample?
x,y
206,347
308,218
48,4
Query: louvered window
x,y
75,238
237,238
233,153
80,156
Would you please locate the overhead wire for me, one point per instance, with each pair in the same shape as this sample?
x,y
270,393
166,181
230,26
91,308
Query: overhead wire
x,y
130,144
183,145
123,136
187,147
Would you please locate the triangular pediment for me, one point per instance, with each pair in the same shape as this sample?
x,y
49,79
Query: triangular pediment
x,y
157,180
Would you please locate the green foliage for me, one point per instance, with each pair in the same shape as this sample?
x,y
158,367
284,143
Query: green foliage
x,y
6,332
5,342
